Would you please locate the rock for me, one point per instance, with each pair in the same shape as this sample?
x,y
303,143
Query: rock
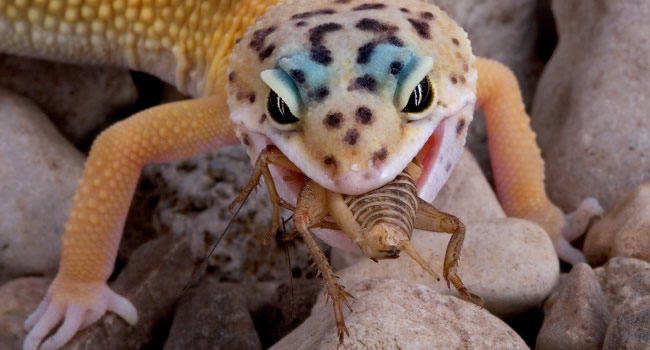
x,y
39,172
18,298
402,314
466,194
81,100
590,110
623,230
278,311
630,327
501,30
193,198
578,316
212,316
509,262
624,280
507,31
153,281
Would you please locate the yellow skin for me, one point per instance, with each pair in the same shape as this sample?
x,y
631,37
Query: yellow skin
x,y
187,43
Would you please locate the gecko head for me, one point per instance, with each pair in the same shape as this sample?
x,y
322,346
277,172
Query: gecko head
x,y
352,91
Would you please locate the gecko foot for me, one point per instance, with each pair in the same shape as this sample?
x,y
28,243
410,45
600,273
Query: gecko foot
x,y
77,305
574,226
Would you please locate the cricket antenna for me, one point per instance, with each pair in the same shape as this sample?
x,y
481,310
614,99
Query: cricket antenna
x,y
407,247
204,263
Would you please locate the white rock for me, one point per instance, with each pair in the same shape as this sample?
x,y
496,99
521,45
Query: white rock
x,y
623,230
399,314
39,172
591,106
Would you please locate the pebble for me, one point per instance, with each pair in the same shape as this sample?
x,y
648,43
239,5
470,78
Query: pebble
x,y
212,316
590,110
623,230
624,280
576,314
630,327
403,314
39,173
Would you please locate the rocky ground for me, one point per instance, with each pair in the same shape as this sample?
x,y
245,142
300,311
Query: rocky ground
x,y
584,68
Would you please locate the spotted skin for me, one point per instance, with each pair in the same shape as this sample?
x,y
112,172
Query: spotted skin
x,y
347,59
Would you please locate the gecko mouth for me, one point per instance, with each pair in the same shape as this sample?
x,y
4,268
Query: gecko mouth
x,y
289,182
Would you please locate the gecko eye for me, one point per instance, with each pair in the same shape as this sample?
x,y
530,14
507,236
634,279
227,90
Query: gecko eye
x,y
416,93
421,97
279,111
283,103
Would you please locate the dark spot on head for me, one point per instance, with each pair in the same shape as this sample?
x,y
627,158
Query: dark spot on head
x,y
395,41
241,95
298,75
257,43
232,77
460,126
251,97
365,82
319,94
373,25
317,33
405,10
262,118
301,24
365,51
455,41
333,120
351,137
454,80
448,166
237,40
268,51
422,28
427,15
313,13
369,7
396,67
462,78
329,160
246,140
380,155
364,115
320,54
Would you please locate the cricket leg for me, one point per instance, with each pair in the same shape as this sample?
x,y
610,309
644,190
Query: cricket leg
x,y
311,208
271,155
431,219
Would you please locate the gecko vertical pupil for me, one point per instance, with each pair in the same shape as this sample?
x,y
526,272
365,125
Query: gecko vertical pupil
x,y
420,98
279,111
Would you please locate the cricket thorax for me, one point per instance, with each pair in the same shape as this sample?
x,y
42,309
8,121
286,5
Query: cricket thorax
x,y
350,91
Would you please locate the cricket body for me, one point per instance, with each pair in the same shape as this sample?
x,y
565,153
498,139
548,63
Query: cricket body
x,y
344,113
